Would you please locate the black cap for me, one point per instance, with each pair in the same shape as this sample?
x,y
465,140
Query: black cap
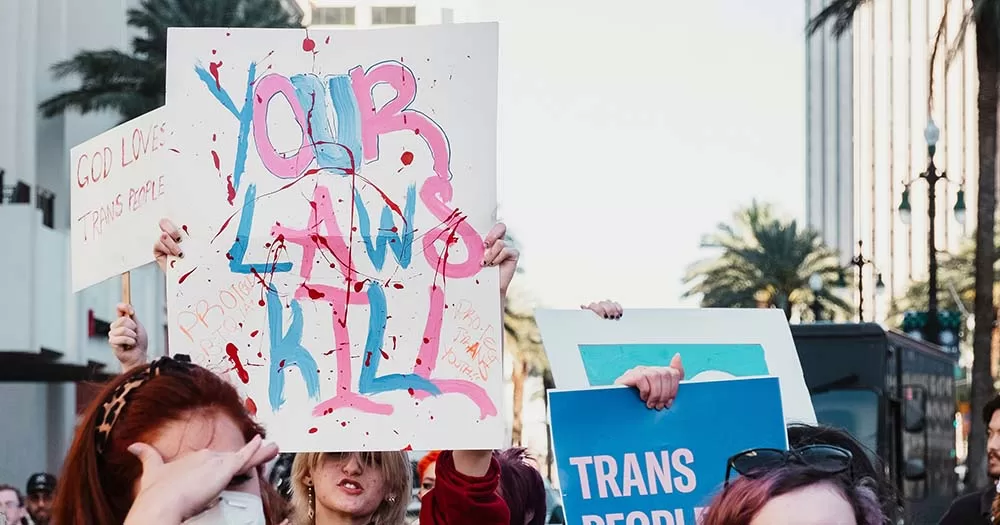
x,y
41,482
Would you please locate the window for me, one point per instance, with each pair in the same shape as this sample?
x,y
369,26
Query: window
x,y
855,411
333,16
394,15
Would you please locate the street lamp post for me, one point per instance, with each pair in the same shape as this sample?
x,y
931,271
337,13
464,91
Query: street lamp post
x,y
931,175
859,261
816,285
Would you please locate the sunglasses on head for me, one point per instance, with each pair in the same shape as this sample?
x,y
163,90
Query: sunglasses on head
x,y
823,458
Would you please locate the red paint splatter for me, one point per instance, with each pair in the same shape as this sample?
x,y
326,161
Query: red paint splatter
x,y
172,263
261,302
368,359
410,390
393,342
185,276
313,293
416,131
419,361
426,340
214,51
408,447
281,364
251,406
406,158
308,45
313,430
229,256
213,137
175,150
234,355
343,423
185,228
384,355
260,354
254,333
240,325
215,159
213,68
398,286
327,39
229,187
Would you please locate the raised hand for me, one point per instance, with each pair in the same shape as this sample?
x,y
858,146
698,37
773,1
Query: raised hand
x,y
128,339
657,384
172,492
167,244
499,254
606,309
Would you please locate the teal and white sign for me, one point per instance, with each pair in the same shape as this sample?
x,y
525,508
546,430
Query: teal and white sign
x,y
587,351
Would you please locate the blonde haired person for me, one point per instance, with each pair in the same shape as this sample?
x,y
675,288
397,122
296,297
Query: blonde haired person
x,y
350,488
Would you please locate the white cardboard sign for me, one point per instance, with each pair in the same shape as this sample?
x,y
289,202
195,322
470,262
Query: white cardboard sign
x,y
714,343
338,186
119,187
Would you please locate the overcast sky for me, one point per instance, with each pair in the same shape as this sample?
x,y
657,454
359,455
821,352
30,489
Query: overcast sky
x,y
629,129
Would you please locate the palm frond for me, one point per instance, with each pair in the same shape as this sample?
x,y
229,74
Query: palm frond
x,y
132,84
840,11
763,260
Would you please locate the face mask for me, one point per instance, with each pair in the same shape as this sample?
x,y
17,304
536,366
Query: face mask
x,y
232,508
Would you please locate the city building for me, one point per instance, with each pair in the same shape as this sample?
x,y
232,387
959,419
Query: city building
x,y
867,110
51,338
342,14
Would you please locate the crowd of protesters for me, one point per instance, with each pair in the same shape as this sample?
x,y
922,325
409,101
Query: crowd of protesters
x,y
169,442
33,506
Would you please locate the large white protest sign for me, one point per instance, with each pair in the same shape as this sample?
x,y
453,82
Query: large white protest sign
x,y
119,191
714,343
338,189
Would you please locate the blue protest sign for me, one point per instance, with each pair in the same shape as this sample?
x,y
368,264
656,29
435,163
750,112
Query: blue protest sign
x,y
621,463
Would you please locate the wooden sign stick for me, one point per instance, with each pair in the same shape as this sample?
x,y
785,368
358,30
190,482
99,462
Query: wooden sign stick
x,y
127,288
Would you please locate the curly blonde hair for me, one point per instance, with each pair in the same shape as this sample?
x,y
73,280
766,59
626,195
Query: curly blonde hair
x,y
396,471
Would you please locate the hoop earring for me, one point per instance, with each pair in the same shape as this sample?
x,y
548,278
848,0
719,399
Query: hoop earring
x,y
312,504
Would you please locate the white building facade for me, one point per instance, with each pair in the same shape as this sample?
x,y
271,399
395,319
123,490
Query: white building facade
x,y
867,112
51,338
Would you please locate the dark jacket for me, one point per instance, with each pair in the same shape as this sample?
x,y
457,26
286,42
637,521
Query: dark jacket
x,y
971,509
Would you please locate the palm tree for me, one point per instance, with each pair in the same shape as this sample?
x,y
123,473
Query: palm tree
x,y
525,343
765,262
133,84
957,277
984,16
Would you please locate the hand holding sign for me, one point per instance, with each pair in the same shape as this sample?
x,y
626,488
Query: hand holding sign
x,y
167,243
499,254
128,339
607,309
657,384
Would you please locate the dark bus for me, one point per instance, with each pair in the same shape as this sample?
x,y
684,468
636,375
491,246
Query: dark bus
x,y
896,395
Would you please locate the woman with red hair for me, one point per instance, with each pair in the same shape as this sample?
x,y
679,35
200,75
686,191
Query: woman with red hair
x,y
166,443
425,472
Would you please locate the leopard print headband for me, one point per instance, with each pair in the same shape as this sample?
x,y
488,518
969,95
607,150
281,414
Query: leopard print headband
x,y
108,412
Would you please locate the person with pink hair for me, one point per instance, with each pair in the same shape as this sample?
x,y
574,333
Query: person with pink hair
x,y
811,485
